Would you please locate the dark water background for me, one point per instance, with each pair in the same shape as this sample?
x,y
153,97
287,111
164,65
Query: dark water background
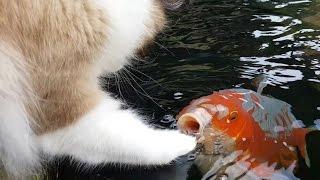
x,y
211,45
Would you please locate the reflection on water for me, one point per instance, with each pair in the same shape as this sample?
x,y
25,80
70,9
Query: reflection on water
x,y
282,32
282,4
220,44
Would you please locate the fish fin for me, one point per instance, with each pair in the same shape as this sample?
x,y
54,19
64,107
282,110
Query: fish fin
x,y
260,82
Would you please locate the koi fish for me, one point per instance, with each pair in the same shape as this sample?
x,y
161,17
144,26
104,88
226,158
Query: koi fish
x,y
243,120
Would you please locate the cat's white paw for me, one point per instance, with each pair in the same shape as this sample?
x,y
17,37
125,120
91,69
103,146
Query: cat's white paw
x,y
173,145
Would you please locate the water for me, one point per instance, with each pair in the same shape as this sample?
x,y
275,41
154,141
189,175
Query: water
x,y
219,44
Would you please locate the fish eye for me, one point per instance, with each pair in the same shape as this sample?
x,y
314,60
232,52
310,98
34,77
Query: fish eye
x,y
233,115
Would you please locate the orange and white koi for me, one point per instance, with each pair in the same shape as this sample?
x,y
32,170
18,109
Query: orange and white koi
x,y
261,126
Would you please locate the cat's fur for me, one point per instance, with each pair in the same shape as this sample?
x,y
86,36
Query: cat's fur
x,y
51,55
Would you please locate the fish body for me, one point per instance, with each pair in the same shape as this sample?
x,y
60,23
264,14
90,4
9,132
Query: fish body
x,y
262,127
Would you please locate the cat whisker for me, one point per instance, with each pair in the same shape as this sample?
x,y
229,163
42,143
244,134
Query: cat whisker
x,y
144,93
149,77
162,46
118,86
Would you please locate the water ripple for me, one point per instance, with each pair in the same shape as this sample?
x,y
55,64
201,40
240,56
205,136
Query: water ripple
x,y
283,32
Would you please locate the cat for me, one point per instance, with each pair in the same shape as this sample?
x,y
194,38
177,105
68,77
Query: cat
x,y
51,104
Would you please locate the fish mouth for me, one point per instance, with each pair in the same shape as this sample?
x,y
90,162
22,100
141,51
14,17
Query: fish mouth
x,y
189,124
194,121
212,140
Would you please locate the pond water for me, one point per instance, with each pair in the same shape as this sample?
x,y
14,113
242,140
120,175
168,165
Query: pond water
x,y
219,44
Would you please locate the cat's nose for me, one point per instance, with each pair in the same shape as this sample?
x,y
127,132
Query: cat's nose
x,y
174,4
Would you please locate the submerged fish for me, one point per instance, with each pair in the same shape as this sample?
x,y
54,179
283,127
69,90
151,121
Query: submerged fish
x,y
261,127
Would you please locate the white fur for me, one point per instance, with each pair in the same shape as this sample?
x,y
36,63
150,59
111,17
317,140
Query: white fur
x,y
128,19
109,135
18,151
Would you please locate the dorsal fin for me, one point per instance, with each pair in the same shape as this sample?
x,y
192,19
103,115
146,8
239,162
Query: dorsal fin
x,y
260,82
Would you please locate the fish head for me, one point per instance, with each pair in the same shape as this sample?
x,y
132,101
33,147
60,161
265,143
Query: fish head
x,y
221,111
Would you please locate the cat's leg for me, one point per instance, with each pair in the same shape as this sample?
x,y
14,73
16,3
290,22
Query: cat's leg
x,y
109,134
